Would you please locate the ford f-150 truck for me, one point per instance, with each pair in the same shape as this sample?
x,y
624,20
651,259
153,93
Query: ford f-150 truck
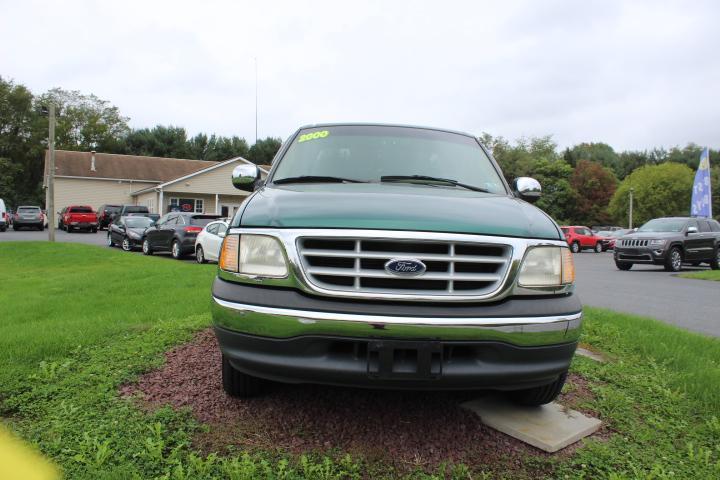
x,y
386,256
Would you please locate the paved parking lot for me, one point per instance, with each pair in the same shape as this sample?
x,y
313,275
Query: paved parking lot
x,y
645,290
650,291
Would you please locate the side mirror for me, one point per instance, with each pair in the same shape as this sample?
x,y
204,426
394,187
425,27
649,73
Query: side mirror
x,y
527,188
245,176
691,230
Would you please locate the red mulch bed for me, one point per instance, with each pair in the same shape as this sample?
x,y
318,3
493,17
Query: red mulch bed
x,y
405,429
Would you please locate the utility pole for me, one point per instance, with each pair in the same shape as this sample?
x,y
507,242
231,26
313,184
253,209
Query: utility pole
x,y
50,207
632,190
256,100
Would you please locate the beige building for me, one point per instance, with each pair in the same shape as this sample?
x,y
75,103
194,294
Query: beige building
x,y
161,184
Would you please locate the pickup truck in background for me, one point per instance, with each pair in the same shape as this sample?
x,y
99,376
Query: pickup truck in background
x,y
79,217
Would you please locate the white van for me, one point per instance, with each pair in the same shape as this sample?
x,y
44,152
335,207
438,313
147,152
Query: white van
x,y
3,216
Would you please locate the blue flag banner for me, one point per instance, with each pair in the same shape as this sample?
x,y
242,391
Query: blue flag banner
x,y
701,205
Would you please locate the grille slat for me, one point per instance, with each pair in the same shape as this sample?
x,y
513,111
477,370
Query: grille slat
x,y
634,243
419,256
358,265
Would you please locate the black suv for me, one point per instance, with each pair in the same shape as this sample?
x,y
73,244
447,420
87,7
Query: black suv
x,y
671,242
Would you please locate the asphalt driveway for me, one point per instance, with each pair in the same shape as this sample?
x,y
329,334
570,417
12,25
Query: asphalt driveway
x,y
650,291
644,290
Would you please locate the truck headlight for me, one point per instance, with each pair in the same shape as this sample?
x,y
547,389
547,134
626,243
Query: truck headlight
x,y
253,255
547,267
657,243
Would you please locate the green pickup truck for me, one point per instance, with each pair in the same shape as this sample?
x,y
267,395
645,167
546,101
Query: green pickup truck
x,y
389,256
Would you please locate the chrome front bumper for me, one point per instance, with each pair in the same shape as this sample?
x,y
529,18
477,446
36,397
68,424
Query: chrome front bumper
x,y
278,322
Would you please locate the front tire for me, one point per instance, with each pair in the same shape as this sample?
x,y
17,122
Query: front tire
x,y
200,255
126,245
598,247
575,247
539,395
623,265
239,384
146,249
673,262
715,262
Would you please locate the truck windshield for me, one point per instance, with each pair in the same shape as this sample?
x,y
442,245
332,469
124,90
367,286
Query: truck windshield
x,y
360,153
663,225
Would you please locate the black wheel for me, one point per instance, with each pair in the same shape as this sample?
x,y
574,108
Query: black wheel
x,y
715,262
68,228
200,255
15,229
238,384
126,245
575,247
110,243
539,395
623,265
93,230
147,250
175,250
673,262
598,247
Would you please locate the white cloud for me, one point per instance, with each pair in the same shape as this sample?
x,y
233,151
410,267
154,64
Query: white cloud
x,y
635,75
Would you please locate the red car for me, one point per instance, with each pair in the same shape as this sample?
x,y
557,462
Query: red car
x,y
80,217
580,238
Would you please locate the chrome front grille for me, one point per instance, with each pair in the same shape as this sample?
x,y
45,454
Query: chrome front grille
x,y
358,265
634,243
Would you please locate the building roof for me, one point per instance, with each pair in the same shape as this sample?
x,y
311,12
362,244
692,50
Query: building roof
x,y
123,167
263,171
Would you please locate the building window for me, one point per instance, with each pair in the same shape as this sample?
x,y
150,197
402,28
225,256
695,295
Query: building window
x,y
196,205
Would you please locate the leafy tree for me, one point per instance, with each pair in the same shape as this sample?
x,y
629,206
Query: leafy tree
x,y
84,122
20,145
629,161
659,190
595,186
601,153
217,148
262,152
518,160
160,141
558,198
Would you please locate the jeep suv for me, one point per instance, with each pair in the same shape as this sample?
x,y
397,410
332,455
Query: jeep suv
x,y
396,257
670,242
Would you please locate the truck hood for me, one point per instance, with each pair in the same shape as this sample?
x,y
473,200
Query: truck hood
x,y
396,206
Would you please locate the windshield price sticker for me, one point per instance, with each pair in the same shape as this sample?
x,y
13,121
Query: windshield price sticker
x,y
313,136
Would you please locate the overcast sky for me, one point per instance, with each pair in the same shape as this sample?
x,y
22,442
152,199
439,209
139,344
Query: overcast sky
x,y
632,74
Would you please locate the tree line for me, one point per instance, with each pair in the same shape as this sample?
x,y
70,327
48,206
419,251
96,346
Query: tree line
x,y
84,123
587,184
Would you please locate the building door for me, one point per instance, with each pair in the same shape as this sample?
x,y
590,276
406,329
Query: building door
x,y
229,210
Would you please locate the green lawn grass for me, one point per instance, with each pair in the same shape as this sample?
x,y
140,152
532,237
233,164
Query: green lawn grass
x,y
78,321
704,275
59,297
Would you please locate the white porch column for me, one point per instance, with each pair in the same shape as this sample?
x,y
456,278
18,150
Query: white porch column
x,y
161,209
217,207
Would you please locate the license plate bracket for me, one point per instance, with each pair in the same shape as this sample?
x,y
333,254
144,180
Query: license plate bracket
x,y
404,360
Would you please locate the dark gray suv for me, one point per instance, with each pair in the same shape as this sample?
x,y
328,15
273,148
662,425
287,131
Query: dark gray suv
x,y
670,242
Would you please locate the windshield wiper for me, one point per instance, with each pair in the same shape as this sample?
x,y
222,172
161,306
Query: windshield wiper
x,y
425,178
316,179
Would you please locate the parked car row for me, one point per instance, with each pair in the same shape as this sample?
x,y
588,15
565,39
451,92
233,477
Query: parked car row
x,y
178,233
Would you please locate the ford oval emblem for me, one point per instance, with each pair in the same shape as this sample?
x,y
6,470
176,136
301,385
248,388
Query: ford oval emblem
x,y
406,267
